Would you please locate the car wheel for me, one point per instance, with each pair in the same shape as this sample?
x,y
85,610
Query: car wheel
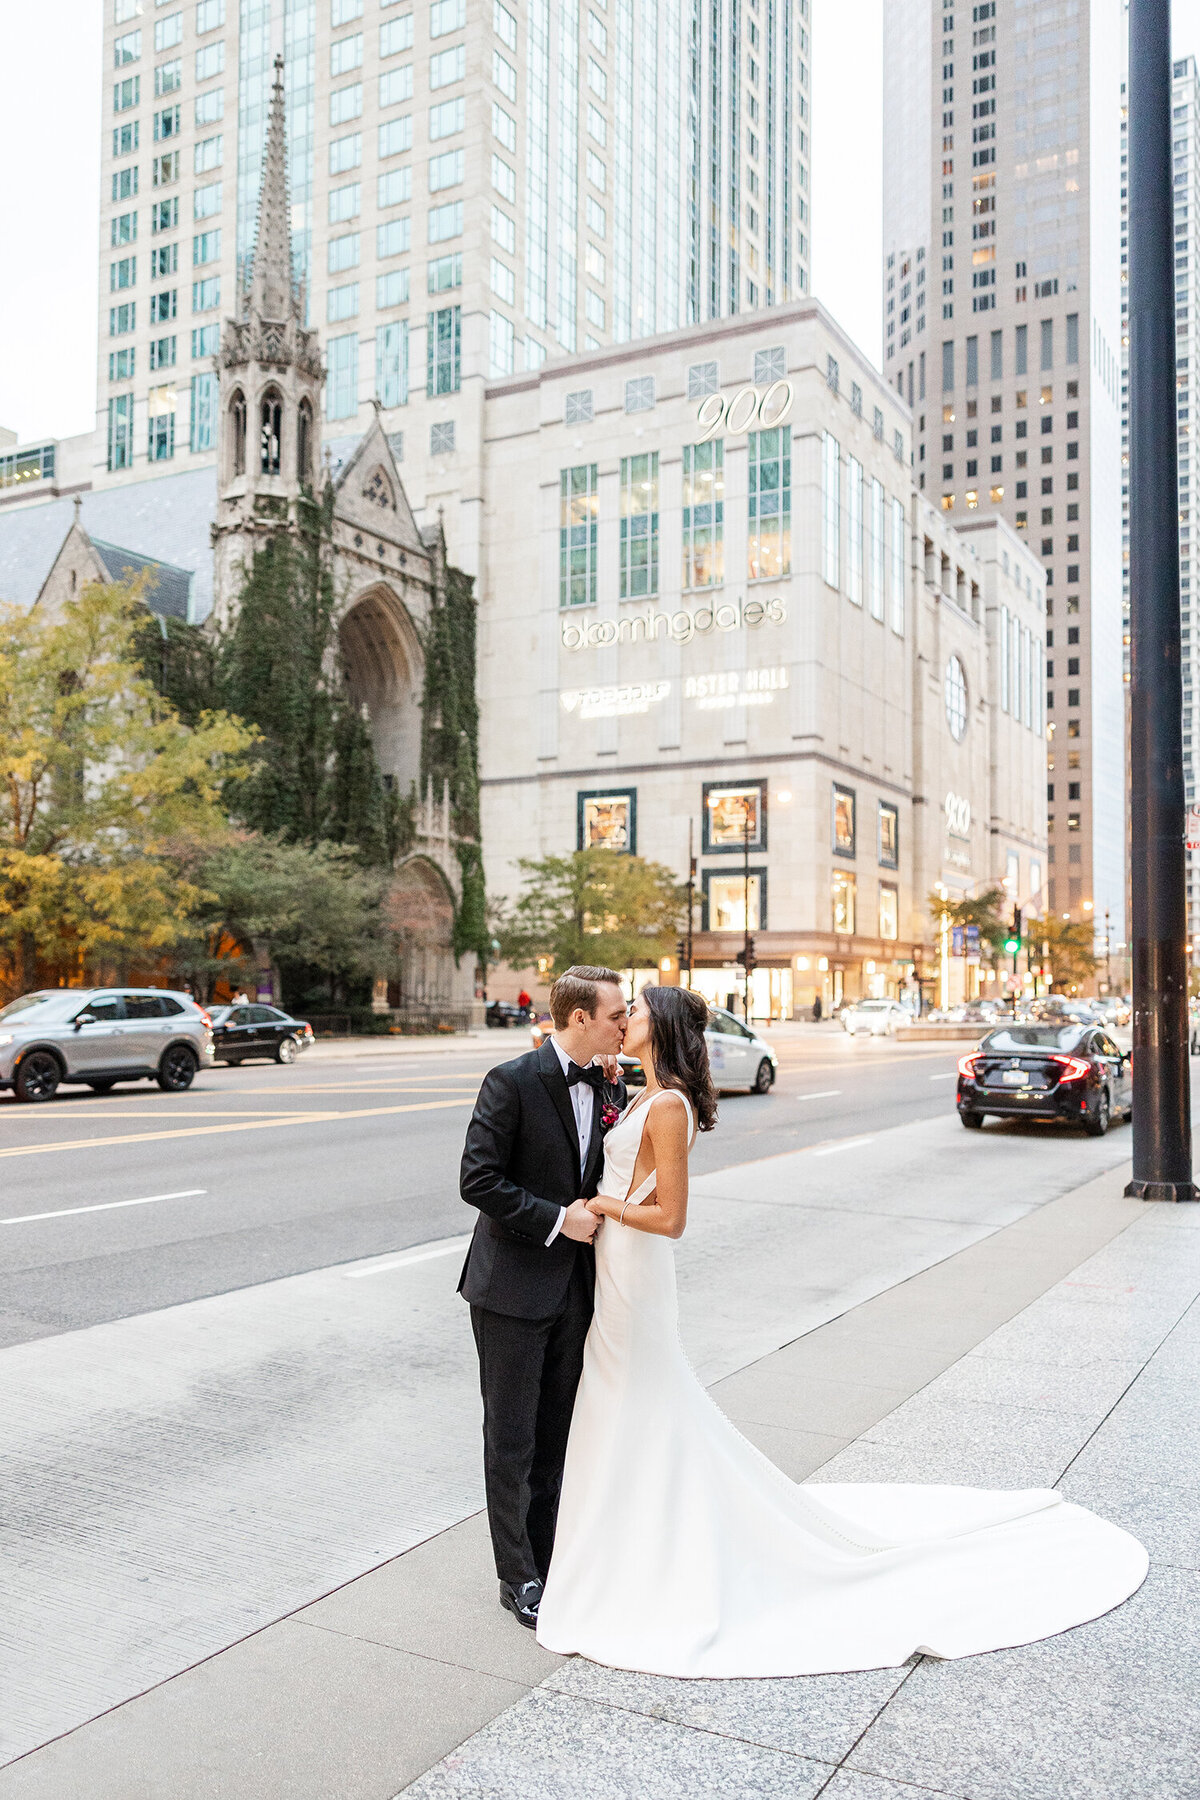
x,y
973,1121
177,1070
285,1050
102,1087
38,1076
764,1080
1097,1123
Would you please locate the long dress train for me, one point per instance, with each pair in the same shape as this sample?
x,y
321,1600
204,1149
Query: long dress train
x,y
681,1550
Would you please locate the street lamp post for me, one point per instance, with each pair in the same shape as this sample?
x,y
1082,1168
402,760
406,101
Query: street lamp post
x,y
1162,1149
747,941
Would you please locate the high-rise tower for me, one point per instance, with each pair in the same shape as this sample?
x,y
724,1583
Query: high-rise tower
x,y
473,189
1002,329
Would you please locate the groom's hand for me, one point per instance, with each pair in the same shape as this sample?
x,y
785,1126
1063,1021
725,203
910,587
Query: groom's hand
x,y
579,1223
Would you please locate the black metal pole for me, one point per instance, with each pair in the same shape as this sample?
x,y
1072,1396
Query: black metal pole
x,y
1162,1139
746,905
691,903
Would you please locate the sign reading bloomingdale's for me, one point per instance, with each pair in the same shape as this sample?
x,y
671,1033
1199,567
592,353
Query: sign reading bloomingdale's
x,y
677,627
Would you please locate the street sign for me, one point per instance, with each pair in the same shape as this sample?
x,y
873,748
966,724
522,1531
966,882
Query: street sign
x,y
1192,834
972,940
957,940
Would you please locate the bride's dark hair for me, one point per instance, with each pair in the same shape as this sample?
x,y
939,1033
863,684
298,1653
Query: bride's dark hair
x,y
680,1051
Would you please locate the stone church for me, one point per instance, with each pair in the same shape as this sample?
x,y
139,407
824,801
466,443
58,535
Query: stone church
x,y
388,572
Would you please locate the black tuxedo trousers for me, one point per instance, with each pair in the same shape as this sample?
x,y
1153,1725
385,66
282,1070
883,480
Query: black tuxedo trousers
x,y
531,1302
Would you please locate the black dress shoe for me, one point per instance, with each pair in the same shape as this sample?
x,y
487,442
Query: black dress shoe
x,y
522,1601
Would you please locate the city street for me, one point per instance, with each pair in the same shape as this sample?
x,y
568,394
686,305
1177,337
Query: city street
x,y
264,1171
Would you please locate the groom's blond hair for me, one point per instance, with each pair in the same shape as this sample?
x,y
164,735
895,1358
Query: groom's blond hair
x,y
578,986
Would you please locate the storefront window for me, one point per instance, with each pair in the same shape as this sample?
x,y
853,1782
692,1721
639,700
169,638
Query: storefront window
x,y
639,526
728,812
844,829
726,896
607,821
889,836
770,502
704,514
889,911
578,510
845,896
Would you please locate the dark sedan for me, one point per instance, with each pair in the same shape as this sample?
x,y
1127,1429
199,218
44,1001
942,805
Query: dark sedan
x,y
241,1032
1071,1072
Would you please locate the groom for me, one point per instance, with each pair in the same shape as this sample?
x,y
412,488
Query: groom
x,y
533,1155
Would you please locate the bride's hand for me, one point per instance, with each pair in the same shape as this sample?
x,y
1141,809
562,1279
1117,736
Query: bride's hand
x,y
600,1206
610,1068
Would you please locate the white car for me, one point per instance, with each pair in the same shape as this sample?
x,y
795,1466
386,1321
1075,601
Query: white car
x,y
878,1018
737,1056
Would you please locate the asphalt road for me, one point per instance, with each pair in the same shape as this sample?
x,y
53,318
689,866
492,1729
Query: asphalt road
x,y
119,1204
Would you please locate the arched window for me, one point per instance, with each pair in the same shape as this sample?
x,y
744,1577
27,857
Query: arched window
x,y
237,415
304,445
272,430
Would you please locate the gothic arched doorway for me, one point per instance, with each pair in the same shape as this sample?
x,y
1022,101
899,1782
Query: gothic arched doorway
x,y
421,915
381,655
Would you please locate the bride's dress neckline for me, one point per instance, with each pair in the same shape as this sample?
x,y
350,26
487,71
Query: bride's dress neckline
x,y
681,1550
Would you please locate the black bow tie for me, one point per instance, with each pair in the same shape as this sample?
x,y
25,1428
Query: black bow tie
x,y
593,1076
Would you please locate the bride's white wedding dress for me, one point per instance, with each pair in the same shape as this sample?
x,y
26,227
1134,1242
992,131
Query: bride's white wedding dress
x,y
681,1550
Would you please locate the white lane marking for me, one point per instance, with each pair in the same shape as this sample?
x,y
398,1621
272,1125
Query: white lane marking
x,y
423,1254
849,1144
66,1212
825,1094
948,1076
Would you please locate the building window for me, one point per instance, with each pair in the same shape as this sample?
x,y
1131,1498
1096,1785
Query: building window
x,y
445,171
726,897
346,152
703,378
577,408
578,513
854,530
443,362
879,547
889,911
206,295
121,365
162,353
444,274
120,431
831,512
607,821
205,340
730,814
342,303
168,77
209,14
161,424
770,501
392,289
447,66
444,222
844,820
955,694
704,514
899,548
639,526
441,438
204,412
889,835
122,318
639,394
770,365
502,340
341,391
844,895
206,248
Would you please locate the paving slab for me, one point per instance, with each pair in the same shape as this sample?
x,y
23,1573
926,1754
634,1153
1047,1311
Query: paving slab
x,y
820,1716
847,1785
291,1712
555,1747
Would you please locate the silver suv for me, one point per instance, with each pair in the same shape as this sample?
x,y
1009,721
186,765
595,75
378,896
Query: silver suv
x,y
99,1036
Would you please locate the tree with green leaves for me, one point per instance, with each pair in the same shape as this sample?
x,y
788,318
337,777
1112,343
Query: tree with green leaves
x,y
990,912
100,779
592,907
1069,945
450,746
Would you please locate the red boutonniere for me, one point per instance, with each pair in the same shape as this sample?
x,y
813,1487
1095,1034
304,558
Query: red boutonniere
x,y
608,1116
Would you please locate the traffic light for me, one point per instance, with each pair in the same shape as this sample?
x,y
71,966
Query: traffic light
x,y
1012,943
681,951
747,957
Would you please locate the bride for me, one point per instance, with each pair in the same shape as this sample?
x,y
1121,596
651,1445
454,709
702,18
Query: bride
x,y
680,1550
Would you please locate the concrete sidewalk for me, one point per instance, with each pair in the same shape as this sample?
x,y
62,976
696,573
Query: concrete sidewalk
x,y
1059,1349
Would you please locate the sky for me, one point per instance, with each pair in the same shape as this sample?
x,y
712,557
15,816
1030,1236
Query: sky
x,y
50,93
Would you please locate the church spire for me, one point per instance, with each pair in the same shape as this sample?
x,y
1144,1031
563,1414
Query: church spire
x,y
272,295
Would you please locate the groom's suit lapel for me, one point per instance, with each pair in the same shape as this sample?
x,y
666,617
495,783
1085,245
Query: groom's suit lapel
x,y
550,1070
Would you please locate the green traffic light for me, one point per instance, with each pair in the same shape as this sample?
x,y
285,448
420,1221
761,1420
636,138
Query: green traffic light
x,y
1011,946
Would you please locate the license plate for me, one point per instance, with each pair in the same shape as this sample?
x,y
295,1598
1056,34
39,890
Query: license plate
x,y
1015,1078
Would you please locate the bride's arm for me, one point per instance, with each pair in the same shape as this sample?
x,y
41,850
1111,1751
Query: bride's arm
x,y
666,1131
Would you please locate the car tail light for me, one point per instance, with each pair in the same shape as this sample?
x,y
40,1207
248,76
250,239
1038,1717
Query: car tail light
x,y
967,1065
1074,1068
308,1030
205,1017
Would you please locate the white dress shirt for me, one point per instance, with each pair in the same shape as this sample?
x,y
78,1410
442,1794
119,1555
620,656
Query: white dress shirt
x,y
583,1100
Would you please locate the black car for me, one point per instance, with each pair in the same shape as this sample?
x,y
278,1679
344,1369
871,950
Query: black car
x,y
240,1032
502,1014
1071,1072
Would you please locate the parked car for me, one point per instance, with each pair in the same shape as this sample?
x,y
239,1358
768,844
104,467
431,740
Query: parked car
x,y
243,1032
1074,1073
503,1013
878,1018
737,1056
96,1037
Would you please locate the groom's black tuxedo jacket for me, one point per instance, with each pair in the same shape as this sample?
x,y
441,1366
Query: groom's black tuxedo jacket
x,y
520,1165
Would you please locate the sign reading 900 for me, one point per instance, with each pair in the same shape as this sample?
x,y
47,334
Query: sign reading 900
x,y
750,409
